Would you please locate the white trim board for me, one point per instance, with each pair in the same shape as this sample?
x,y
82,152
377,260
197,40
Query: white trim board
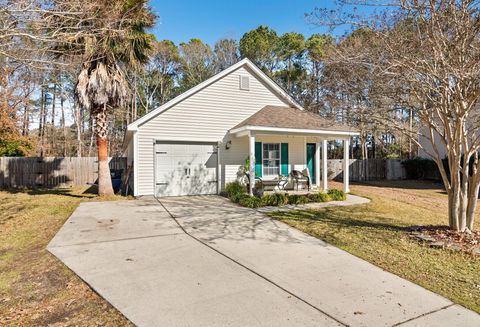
x,y
135,164
241,130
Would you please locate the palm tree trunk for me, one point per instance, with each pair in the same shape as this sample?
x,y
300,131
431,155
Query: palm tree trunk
x,y
104,178
92,134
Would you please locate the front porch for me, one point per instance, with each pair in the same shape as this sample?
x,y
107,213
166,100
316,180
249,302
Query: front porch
x,y
282,140
272,156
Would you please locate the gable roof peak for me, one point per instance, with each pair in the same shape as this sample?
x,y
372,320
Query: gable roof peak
x,y
244,62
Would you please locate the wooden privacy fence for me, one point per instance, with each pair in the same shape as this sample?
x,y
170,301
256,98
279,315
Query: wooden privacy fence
x,y
360,170
48,172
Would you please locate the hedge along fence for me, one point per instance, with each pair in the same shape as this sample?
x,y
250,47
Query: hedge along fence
x,y
50,172
423,168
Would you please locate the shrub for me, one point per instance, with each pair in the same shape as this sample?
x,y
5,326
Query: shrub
x,y
391,151
319,197
268,200
234,189
236,197
421,168
275,199
337,195
417,168
250,201
298,199
16,148
280,199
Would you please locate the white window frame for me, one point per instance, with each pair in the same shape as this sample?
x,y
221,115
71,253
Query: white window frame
x,y
279,160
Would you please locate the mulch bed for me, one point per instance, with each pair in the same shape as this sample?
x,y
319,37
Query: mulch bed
x,y
445,238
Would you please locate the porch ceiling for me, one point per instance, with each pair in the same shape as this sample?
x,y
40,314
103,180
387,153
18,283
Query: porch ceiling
x,y
287,120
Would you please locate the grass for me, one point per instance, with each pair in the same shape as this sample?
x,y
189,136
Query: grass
x,y
378,233
36,289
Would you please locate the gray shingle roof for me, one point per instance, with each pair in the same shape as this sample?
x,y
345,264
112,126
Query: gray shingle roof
x,y
287,117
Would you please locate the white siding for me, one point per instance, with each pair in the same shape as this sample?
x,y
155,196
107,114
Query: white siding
x,y
233,159
426,146
205,117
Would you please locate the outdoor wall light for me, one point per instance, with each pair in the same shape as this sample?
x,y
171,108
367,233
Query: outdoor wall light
x,y
228,145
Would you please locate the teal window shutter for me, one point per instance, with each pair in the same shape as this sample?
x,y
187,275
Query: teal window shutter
x,y
284,159
258,159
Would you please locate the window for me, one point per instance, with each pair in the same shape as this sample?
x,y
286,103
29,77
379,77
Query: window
x,y
271,159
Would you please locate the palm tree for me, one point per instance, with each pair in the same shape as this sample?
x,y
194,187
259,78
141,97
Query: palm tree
x,y
102,86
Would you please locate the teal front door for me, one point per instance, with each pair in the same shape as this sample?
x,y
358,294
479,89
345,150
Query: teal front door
x,y
311,161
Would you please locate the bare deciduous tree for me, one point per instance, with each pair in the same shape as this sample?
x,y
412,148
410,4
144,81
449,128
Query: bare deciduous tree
x,y
226,53
197,63
426,57
156,80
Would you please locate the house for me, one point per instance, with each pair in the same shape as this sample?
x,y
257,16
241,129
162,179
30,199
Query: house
x,y
426,149
200,140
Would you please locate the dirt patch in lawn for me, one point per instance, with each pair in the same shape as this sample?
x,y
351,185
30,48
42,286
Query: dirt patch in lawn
x,y
444,238
35,288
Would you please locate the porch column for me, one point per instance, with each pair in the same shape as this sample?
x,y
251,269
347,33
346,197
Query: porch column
x,y
251,151
317,164
346,165
324,166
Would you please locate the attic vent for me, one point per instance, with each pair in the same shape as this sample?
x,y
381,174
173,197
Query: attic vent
x,y
244,83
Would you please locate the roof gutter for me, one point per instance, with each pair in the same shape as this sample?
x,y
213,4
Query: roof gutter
x,y
293,130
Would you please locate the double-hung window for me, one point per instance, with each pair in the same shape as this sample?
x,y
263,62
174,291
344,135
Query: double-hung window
x,y
271,159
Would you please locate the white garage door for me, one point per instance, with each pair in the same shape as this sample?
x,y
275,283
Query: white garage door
x,y
185,169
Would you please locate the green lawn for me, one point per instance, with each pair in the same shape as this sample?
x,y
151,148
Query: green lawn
x,y
378,233
36,289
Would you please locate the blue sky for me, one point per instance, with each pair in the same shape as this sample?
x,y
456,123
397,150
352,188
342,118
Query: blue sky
x,y
210,20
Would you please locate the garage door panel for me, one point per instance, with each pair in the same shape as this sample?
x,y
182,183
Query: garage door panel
x,y
185,169
202,178
169,177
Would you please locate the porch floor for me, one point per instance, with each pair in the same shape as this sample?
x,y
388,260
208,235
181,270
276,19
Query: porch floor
x,y
294,191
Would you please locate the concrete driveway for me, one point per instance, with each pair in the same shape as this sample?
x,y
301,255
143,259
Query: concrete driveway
x,y
217,264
